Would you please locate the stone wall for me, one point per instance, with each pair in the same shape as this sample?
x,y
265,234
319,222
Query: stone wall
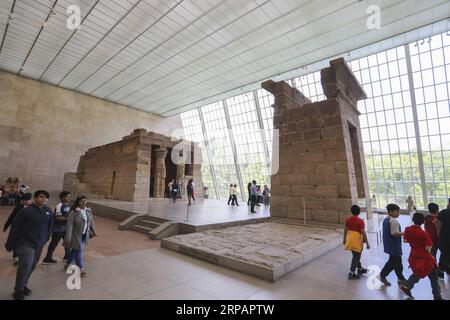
x,y
321,156
122,170
44,129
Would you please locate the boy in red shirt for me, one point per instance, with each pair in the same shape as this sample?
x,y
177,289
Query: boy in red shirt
x,y
430,227
421,262
354,237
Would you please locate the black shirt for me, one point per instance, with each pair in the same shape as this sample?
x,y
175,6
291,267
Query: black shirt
x,y
12,216
444,234
32,226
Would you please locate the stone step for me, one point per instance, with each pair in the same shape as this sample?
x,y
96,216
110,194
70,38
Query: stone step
x,y
148,223
155,219
141,229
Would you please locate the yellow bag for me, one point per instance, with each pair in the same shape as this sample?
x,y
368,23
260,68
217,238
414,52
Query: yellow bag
x,y
354,241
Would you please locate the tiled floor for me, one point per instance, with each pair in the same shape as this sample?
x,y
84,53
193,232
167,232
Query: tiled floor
x,y
154,273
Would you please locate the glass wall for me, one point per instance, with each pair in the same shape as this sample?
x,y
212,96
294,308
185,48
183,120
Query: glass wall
x,y
387,122
193,131
430,61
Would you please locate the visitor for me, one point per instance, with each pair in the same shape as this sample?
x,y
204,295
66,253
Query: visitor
x,y
25,202
374,201
235,200
79,229
421,261
12,198
2,192
170,185
443,227
230,191
431,229
59,228
259,197
410,204
190,190
29,232
22,191
249,186
392,242
174,194
180,186
253,197
266,195
354,238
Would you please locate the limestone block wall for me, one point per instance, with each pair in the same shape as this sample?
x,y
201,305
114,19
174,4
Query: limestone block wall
x,y
110,170
122,170
44,129
321,155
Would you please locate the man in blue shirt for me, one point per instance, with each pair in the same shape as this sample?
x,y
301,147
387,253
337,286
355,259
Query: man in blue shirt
x,y
29,232
59,228
253,196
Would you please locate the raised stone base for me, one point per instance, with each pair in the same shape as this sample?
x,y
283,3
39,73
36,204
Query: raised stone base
x,y
266,250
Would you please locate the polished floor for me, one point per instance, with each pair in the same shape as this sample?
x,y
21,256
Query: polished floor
x,y
127,265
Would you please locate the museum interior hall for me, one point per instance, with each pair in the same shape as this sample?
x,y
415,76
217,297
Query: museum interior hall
x,y
225,150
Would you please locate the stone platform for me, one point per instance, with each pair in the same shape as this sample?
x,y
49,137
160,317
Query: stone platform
x,y
204,215
266,250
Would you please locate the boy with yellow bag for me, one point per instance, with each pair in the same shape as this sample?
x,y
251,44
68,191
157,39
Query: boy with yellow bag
x,y
354,238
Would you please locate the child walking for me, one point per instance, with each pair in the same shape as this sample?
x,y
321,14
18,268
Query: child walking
x,y
431,229
354,238
392,241
420,260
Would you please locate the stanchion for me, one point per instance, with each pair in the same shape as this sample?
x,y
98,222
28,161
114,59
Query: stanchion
x,y
187,212
304,211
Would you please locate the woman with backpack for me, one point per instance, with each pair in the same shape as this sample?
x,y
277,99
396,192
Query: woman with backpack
x,y
190,190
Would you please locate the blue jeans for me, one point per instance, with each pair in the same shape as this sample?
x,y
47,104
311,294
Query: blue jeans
x,y
76,255
433,276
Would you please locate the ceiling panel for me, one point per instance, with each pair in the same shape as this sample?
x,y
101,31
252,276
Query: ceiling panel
x,y
169,56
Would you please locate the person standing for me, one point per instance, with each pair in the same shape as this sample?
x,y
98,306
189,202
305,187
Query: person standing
x,y
392,241
443,228
354,238
180,186
266,195
421,261
374,201
249,186
190,190
253,197
79,229
30,231
59,228
2,191
170,185
12,198
230,191
259,197
431,229
175,188
234,196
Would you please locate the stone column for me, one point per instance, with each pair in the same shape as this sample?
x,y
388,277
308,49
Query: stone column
x,y
160,173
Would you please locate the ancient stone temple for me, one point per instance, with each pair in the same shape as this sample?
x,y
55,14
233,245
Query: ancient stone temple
x,y
136,168
322,169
